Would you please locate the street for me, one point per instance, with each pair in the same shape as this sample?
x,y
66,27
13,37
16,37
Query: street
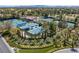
x,y
4,47
68,50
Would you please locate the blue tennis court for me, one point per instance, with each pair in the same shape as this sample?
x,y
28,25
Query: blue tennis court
x,y
70,25
31,27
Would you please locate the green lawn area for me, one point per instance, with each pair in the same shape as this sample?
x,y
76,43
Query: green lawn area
x,y
1,23
43,50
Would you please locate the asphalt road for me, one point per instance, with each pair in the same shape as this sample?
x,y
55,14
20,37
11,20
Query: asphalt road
x,y
4,47
68,50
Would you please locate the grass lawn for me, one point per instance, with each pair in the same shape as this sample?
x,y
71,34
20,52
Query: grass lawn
x,y
1,23
43,50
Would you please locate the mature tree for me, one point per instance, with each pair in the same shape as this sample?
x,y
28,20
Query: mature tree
x,y
62,24
52,27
